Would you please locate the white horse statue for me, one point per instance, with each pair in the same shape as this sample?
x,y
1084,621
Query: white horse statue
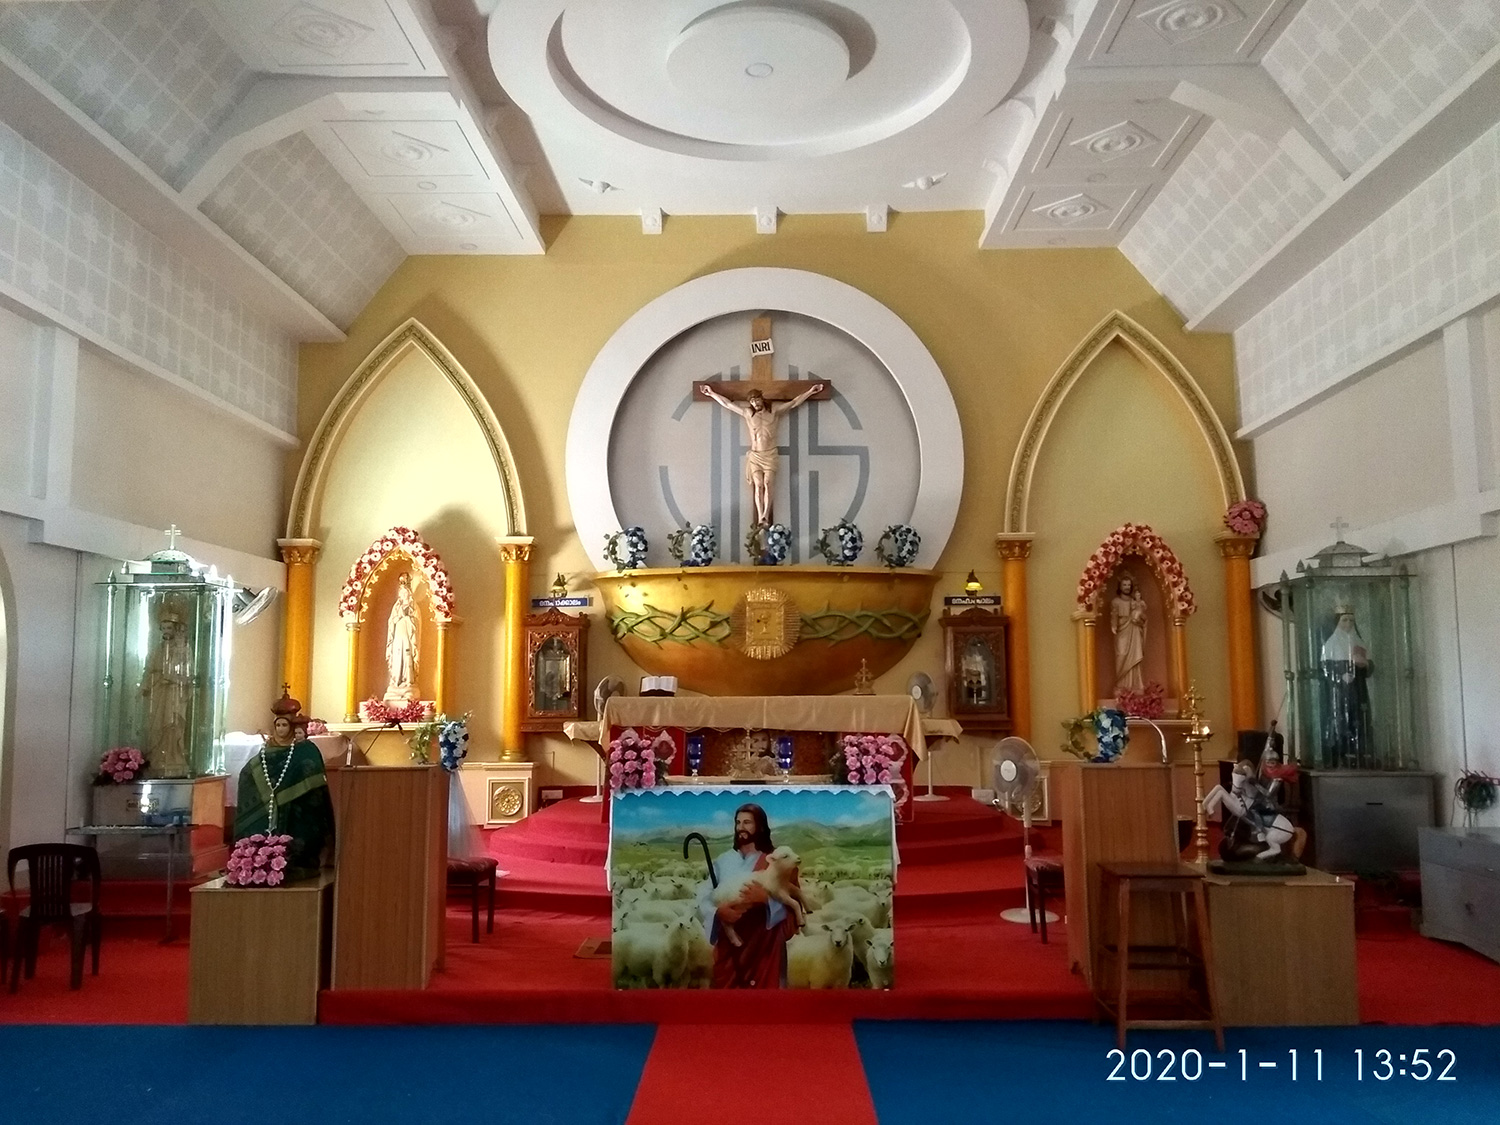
x,y
1274,835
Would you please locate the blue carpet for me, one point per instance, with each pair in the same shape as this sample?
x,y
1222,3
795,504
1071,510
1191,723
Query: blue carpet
x,y
323,1075
942,1073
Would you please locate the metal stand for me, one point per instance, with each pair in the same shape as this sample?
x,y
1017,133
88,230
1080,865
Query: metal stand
x,y
598,797
930,795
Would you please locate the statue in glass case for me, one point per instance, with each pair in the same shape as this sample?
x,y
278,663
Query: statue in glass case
x,y
167,686
401,645
1345,665
553,678
978,684
1127,621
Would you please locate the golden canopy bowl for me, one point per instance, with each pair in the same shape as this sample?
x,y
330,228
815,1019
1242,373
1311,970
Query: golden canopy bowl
x,y
760,630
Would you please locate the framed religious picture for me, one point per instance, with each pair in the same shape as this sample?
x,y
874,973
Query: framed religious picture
x,y
556,645
974,655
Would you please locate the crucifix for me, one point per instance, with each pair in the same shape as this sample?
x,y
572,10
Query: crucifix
x,y
761,400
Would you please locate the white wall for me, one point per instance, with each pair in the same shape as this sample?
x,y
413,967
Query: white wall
x,y
96,457
1406,453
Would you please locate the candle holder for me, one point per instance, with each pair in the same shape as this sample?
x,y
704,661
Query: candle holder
x,y
694,754
784,756
1198,733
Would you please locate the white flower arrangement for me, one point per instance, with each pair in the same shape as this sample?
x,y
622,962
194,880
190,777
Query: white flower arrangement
x,y
898,545
694,545
849,539
626,549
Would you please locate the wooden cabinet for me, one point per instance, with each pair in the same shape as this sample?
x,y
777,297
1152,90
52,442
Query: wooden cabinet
x,y
1284,950
1461,887
556,669
1119,812
259,955
392,825
975,659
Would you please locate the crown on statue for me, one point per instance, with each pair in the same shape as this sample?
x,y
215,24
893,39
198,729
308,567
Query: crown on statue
x,y
286,707
1342,609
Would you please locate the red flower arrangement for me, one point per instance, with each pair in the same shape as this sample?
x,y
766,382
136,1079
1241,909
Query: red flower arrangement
x,y
379,711
1148,703
1136,539
1245,517
404,541
119,765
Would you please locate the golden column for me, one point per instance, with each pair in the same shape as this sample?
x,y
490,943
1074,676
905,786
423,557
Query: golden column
x,y
296,653
1239,609
515,553
1087,622
351,681
1015,549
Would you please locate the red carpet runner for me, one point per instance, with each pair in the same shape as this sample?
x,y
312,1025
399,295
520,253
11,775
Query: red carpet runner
x,y
733,1076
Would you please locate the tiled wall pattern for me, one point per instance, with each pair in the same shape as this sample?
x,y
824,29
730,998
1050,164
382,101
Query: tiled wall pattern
x,y
1360,71
154,74
288,206
1232,198
1434,252
73,252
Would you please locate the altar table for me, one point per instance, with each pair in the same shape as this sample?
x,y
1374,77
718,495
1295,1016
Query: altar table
x,y
834,714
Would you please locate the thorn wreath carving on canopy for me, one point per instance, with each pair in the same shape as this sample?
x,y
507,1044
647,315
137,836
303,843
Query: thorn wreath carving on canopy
x,y
1136,539
397,542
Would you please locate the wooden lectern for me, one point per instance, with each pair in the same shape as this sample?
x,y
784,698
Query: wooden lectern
x,y
1115,812
392,868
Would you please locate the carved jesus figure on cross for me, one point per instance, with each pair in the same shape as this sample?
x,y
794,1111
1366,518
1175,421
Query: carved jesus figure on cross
x,y
761,401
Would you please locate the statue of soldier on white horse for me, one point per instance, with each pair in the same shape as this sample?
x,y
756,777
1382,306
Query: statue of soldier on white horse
x,y
1256,831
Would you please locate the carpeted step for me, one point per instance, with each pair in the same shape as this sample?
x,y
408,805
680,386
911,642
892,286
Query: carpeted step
x,y
958,849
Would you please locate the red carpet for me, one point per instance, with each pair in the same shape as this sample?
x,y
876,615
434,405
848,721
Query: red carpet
x,y
698,1072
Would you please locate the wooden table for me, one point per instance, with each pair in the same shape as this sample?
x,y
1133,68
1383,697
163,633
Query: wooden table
x,y
1283,949
259,955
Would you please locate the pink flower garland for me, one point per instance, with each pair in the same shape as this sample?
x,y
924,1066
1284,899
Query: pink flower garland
x,y
872,759
407,542
636,764
1136,539
121,764
375,710
257,861
1148,703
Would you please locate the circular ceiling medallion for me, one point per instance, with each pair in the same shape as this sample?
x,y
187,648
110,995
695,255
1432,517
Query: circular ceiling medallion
x,y
755,81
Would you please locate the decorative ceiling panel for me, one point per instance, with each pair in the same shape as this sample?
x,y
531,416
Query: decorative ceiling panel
x,y
288,206
156,75
456,222
1360,72
1149,32
408,148
1230,200
332,37
1115,135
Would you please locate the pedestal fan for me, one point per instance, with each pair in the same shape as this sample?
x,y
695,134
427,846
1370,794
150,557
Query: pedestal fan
x,y
603,691
1015,773
920,688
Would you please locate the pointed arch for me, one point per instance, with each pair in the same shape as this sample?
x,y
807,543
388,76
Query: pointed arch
x,y
410,336
1150,351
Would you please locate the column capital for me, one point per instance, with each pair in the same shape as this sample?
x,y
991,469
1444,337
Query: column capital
x,y
296,552
1014,544
515,548
1233,546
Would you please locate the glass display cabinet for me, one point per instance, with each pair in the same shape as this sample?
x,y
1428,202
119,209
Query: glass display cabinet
x,y
974,647
1349,666
1353,709
164,669
556,648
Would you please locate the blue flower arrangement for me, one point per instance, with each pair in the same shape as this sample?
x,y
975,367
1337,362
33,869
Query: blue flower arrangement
x,y
768,544
1109,728
453,743
626,549
696,545
840,544
904,543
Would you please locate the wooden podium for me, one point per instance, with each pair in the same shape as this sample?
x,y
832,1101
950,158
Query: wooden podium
x,y
1119,812
392,867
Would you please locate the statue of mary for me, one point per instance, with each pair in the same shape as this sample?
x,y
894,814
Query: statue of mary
x,y
401,645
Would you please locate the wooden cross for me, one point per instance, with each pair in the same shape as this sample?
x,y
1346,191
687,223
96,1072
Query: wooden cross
x,y
772,389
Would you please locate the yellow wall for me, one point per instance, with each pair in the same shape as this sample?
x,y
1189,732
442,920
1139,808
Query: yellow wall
x,y
999,324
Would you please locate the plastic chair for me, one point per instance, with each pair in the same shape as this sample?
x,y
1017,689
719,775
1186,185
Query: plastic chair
x,y
51,869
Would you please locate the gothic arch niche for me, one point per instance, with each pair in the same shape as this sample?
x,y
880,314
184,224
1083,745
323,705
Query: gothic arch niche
x,y
1121,435
409,442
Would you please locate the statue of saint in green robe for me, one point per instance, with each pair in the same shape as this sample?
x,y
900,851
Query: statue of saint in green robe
x,y
303,808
